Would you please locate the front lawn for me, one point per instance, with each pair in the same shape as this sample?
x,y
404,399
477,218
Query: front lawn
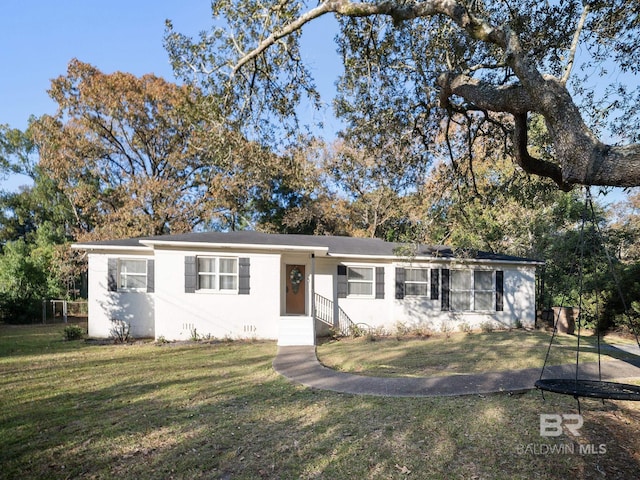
x,y
218,410
459,353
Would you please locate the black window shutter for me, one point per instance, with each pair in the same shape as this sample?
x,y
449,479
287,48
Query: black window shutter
x,y
400,276
499,291
151,276
379,282
112,274
244,276
444,288
190,275
342,281
435,283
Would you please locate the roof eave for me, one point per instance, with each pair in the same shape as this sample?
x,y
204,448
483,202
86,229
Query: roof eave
x,y
423,258
117,248
235,246
147,246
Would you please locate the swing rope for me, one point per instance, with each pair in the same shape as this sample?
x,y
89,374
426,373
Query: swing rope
x,y
631,319
575,268
581,387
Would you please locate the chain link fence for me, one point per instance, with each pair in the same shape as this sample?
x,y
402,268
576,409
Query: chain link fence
x,y
64,311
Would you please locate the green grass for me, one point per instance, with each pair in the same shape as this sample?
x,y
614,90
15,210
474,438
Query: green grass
x,y
459,353
218,410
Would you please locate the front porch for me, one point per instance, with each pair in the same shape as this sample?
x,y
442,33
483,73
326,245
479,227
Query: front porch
x,y
305,314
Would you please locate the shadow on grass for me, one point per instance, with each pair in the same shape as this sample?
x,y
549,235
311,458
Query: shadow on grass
x,y
462,353
219,411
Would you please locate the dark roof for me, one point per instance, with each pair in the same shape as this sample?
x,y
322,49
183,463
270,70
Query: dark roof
x,y
336,245
123,242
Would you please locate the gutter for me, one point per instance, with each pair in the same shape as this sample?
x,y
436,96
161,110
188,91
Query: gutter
x,y
409,260
116,248
236,246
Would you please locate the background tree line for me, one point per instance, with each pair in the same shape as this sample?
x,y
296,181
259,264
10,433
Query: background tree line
x,y
424,156
127,156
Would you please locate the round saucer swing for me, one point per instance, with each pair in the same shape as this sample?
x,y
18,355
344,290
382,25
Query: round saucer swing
x,y
580,387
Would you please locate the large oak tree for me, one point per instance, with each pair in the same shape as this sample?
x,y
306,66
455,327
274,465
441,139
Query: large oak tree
x,y
416,67
143,156
120,148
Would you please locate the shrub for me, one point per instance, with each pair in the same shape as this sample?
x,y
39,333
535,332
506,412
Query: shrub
x,y
28,270
446,329
371,334
334,333
487,327
380,332
120,331
369,337
422,329
356,331
360,330
194,337
73,332
401,329
20,311
465,327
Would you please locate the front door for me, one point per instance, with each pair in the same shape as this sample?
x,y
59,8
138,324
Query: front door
x,y
295,290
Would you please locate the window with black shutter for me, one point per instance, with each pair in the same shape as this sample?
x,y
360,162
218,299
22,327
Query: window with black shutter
x,y
400,283
217,274
130,275
499,291
444,288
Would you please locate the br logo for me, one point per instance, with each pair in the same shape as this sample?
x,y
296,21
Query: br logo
x,y
552,425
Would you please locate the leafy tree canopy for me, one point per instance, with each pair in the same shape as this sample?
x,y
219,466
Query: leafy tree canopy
x,y
414,69
142,156
120,149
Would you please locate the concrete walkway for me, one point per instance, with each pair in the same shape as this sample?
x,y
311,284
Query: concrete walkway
x,y
301,365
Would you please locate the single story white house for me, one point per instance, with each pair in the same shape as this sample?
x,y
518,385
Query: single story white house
x,y
295,287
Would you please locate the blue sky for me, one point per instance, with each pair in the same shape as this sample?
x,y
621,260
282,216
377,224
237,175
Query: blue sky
x,y
39,37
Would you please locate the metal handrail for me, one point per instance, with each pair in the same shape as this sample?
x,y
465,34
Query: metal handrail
x,y
324,311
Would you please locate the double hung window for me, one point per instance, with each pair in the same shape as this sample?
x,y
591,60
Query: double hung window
x,y
132,275
483,290
360,281
217,273
416,282
472,290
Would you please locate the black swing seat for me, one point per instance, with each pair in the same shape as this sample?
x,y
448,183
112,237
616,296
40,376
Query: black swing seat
x,y
590,388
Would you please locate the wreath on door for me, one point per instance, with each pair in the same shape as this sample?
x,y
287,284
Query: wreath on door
x,y
296,277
